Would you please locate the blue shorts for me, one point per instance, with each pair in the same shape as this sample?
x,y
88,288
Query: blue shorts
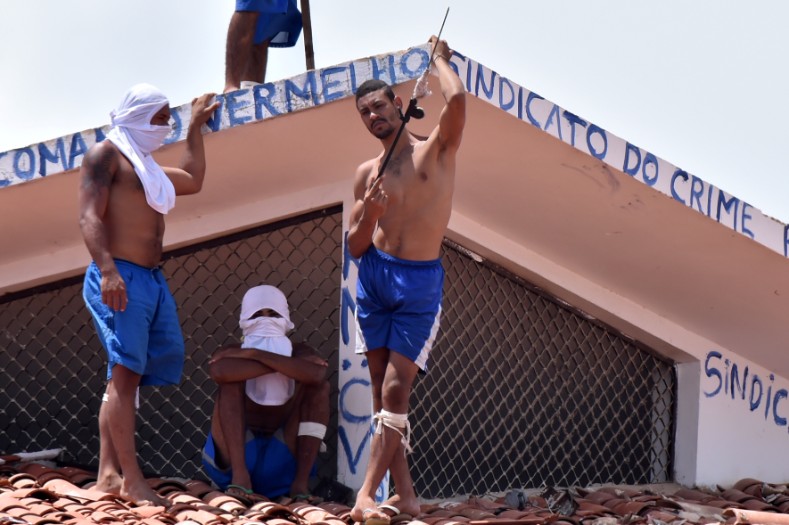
x,y
398,304
279,21
271,465
146,338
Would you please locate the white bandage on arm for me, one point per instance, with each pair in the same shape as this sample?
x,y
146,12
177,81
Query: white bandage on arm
x,y
312,429
309,428
398,423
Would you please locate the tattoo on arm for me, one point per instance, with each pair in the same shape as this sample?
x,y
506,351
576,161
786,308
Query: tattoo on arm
x,y
99,175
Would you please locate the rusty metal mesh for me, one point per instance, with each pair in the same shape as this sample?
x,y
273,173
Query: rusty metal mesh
x,y
522,390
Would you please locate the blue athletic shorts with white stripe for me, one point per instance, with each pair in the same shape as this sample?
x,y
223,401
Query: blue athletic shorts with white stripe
x,y
398,305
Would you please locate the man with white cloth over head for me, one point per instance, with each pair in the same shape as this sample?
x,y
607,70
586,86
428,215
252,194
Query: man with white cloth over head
x,y
272,405
123,197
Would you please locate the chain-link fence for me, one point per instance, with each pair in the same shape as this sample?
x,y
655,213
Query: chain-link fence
x,y
55,368
522,391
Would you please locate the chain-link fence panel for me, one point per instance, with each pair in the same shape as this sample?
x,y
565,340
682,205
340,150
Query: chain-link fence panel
x,y
524,391
54,367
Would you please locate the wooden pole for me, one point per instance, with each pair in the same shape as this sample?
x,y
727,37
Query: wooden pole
x,y
306,22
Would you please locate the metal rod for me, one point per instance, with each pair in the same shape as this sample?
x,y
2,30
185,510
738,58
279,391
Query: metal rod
x,y
391,150
433,53
412,109
306,22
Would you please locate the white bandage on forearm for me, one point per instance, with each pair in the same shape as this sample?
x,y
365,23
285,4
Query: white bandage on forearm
x,y
106,397
398,423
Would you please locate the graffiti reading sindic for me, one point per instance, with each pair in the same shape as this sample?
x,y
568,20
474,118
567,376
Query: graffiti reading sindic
x,y
757,393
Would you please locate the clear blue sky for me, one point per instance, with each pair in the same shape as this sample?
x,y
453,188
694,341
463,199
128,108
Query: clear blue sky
x,y
702,84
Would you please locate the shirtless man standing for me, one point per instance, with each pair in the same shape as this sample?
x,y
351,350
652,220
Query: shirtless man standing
x,y
123,197
397,226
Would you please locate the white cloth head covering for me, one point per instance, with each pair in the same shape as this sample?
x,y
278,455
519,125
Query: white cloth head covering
x,y
267,334
133,134
265,296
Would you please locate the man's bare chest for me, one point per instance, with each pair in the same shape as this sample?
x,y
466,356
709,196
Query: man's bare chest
x,y
405,169
128,180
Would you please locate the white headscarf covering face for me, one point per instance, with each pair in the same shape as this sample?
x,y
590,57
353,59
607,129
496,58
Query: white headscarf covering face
x,y
262,297
267,334
133,134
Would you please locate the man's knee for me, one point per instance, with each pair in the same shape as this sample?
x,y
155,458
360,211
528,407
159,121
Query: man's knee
x,y
395,396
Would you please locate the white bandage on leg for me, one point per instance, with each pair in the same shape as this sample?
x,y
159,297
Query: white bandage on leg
x,y
312,429
398,423
106,397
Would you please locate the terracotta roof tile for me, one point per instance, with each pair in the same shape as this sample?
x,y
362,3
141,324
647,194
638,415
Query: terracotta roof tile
x,y
22,480
226,503
750,516
79,521
154,521
184,497
198,488
165,486
35,494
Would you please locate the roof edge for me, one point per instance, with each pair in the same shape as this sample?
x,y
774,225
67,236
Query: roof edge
x,y
322,86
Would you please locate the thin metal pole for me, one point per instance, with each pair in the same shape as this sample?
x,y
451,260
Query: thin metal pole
x,y
391,150
438,37
412,109
306,22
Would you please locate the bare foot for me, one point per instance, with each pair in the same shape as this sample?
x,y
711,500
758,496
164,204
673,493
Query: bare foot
x,y
366,511
110,483
404,505
142,494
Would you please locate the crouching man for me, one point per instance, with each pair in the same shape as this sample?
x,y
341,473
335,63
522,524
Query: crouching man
x,y
272,405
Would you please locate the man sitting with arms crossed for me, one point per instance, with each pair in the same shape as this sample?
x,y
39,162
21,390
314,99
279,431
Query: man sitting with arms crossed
x,y
272,406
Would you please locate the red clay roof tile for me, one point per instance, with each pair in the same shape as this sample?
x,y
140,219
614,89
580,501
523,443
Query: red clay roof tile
x,y
37,495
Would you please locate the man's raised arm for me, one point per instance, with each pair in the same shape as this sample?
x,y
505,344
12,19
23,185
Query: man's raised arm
x,y
188,177
453,116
